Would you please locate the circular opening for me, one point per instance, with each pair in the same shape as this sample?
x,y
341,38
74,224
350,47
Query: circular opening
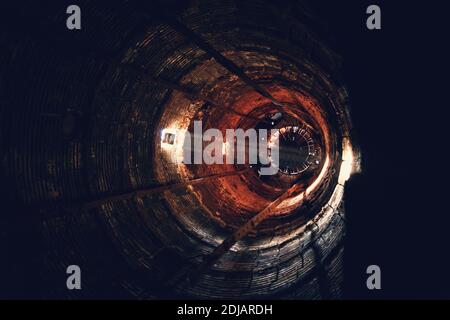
x,y
297,149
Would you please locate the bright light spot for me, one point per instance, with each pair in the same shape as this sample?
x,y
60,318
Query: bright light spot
x,y
168,137
172,140
225,147
347,161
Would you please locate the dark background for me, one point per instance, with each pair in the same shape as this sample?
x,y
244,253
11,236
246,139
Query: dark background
x,y
397,214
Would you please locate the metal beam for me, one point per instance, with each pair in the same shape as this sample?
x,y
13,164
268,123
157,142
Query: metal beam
x,y
90,204
159,11
243,231
223,61
189,93
159,189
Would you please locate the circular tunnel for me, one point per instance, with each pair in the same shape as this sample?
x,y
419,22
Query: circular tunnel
x,y
89,148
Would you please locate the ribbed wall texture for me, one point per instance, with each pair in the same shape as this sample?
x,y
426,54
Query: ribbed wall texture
x,y
81,119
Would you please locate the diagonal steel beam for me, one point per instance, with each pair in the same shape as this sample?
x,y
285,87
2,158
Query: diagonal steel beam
x,y
240,233
159,11
222,60
90,204
159,189
189,93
